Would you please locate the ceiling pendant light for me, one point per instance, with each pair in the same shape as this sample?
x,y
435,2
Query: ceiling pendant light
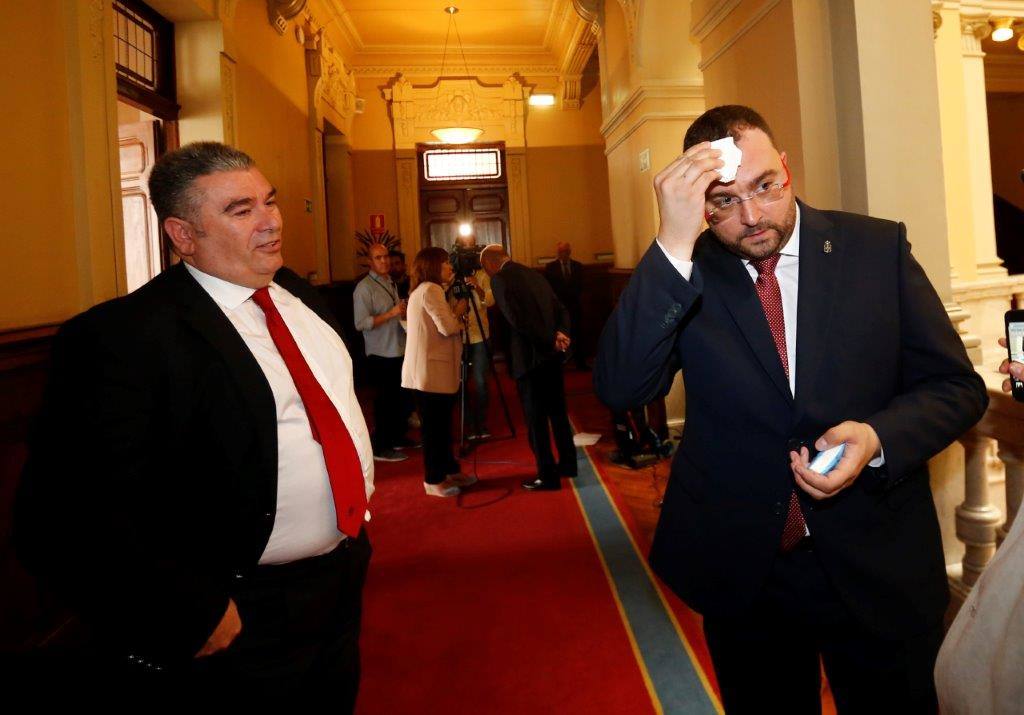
x,y
460,134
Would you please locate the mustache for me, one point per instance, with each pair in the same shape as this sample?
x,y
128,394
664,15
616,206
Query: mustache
x,y
763,225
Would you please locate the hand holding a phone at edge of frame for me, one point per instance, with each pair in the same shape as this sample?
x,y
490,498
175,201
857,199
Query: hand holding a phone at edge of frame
x,y
1008,367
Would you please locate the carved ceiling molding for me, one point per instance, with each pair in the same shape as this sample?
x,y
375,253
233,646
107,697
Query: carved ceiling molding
x,y
498,109
335,82
578,52
714,17
433,70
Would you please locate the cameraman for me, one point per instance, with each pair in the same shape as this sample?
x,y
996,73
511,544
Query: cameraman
x,y
482,298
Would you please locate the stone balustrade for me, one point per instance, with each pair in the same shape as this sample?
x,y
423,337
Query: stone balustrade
x,y
994,445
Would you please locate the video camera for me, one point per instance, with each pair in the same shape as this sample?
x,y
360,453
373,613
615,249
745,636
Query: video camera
x,y
465,262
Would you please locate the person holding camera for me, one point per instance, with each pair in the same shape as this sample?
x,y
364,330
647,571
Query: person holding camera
x,y
433,353
477,332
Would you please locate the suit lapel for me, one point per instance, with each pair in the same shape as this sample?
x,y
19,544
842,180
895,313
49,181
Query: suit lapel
x,y
821,263
736,289
200,311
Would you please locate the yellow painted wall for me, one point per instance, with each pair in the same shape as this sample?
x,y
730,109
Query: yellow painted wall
x,y
273,121
568,189
767,81
617,75
38,259
374,188
1006,141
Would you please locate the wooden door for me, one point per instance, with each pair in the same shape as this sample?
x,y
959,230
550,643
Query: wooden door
x,y
484,208
137,145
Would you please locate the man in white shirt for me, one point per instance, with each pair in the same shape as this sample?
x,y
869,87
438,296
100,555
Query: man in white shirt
x,y
198,481
794,329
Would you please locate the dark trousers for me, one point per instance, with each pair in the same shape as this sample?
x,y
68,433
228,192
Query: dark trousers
x,y
542,392
390,410
300,631
768,661
477,400
436,417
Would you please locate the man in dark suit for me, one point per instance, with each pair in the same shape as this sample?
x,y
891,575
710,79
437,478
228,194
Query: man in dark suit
x,y
539,336
785,564
199,475
566,278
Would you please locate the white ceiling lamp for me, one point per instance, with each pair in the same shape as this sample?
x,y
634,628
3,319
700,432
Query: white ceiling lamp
x,y
461,134
1003,29
542,100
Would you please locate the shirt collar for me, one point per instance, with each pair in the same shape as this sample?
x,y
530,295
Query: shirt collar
x,y
792,247
386,276
227,294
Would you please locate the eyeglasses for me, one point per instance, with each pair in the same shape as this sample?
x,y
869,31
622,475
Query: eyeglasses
x,y
724,207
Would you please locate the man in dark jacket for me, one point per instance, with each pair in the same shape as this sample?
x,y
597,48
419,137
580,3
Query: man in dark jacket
x,y
566,278
539,327
790,567
198,479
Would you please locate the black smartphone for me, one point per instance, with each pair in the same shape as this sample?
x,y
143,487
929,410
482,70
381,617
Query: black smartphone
x,y
1015,347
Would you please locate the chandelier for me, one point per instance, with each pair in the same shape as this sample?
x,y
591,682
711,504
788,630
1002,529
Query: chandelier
x,y
459,134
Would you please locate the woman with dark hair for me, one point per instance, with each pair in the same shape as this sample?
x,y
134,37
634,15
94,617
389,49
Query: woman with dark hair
x,y
433,351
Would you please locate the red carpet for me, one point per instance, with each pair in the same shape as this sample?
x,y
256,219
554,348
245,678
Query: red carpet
x,y
496,602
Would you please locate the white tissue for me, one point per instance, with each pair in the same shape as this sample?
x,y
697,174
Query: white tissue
x,y
731,155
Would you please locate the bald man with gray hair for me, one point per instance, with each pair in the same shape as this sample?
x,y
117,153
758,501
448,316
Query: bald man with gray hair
x,y
539,337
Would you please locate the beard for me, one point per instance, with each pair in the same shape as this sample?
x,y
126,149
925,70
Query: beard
x,y
774,238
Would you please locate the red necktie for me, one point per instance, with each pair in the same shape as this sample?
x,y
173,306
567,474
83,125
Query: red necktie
x,y
342,460
767,287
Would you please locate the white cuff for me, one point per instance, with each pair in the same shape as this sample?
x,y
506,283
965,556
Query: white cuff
x,y
685,268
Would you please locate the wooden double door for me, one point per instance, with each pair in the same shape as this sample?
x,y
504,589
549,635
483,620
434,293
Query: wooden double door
x,y
484,208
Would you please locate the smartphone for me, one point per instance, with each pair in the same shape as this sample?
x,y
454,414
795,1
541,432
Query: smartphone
x,y
1015,347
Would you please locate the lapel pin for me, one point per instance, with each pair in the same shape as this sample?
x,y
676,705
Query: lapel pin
x,y
828,247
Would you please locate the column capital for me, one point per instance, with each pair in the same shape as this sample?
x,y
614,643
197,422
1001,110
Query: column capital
x,y
974,27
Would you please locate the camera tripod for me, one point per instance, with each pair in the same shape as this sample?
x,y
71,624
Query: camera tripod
x,y
461,289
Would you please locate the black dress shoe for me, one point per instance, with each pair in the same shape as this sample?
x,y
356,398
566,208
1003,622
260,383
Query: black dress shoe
x,y
542,485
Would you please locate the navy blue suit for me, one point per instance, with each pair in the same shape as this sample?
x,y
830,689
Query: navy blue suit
x,y
874,344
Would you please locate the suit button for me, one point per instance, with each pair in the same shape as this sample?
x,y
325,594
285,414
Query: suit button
x,y
238,574
268,515
778,508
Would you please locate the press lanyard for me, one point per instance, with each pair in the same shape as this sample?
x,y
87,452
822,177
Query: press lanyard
x,y
392,296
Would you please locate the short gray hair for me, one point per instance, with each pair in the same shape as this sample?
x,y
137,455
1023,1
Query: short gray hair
x,y
171,181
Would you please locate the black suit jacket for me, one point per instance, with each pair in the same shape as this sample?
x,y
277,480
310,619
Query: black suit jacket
x,y
874,344
152,471
568,291
534,315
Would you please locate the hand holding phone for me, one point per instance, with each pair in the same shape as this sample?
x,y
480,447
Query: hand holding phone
x,y
1014,343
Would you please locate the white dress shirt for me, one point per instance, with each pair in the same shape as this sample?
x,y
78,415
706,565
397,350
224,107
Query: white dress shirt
x,y
305,523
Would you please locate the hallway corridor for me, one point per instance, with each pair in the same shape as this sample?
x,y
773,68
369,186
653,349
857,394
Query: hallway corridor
x,y
504,601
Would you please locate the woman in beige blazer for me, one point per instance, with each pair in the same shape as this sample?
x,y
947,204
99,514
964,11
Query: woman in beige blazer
x,y
433,352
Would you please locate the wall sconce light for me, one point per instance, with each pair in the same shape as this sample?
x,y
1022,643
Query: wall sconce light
x,y
465,229
1003,29
542,100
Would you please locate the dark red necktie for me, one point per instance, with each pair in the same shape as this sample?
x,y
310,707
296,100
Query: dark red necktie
x,y
342,460
767,287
